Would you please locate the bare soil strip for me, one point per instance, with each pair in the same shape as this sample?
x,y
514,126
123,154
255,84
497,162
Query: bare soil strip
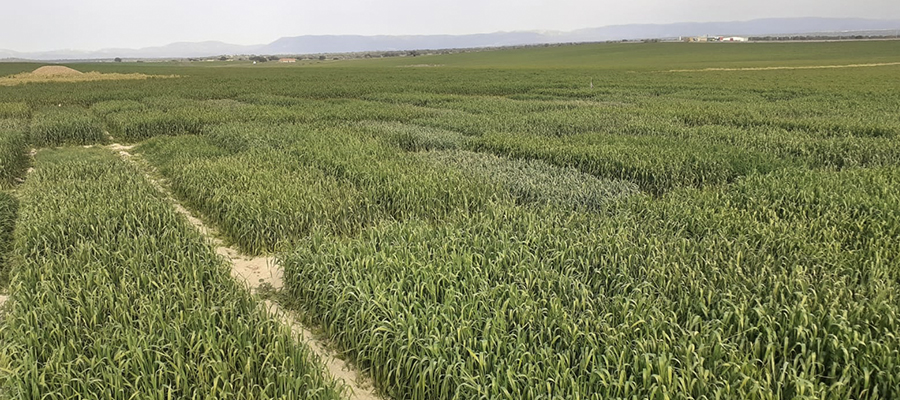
x,y
262,273
783,68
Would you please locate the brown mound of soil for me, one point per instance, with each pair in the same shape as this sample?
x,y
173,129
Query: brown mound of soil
x,y
58,73
55,70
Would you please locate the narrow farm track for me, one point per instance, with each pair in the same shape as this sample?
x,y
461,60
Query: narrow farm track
x,y
260,273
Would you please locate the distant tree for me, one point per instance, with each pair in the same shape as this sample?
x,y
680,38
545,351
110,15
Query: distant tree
x,y
258,59
223,58
322,58
273,58
413,53
118,59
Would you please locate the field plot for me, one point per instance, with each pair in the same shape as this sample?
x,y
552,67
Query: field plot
x,y
115,294
490,227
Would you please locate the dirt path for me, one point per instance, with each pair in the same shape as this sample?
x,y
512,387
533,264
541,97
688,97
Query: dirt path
x,y
783,68
262,273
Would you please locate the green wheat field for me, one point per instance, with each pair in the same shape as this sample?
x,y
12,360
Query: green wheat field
x,y
602,221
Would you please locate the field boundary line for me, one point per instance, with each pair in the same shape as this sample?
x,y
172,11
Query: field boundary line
x,y
265,273
786,67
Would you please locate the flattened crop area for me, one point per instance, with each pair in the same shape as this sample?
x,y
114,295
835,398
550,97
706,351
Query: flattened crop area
x,y
456,233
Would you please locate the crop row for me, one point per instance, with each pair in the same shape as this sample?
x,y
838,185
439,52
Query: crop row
x,y
777,287
13,153
414,137
255,198
656,164
133,121
114,295
15,110
712,137
9,207
660,161
56,126
14,161
610,141
263,185
806,113
557,76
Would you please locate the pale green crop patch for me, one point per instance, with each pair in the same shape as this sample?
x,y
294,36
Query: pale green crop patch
x,y
537,182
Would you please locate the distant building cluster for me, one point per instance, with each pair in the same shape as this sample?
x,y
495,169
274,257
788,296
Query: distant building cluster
x,y
705,39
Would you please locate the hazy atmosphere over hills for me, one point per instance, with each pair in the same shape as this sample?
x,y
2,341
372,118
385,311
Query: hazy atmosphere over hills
x,y
310,44
57,29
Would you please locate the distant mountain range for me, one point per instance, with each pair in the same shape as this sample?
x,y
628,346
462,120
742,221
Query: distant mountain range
x,y
316,44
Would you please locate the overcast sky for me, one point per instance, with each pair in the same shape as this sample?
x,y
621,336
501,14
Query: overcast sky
x,y
38,25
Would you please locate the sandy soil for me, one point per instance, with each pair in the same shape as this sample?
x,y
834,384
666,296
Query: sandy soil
x,y
3,299
257,272
783,68
262,273
55,70
30,169
340,370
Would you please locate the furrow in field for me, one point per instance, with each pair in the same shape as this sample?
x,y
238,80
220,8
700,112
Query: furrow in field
x,y
260,273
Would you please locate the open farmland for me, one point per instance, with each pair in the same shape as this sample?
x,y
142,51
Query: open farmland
x,y
665,221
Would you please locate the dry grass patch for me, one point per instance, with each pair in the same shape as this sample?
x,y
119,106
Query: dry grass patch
x,y
57,73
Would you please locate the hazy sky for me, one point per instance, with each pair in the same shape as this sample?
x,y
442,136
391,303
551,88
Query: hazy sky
x,y
37,25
